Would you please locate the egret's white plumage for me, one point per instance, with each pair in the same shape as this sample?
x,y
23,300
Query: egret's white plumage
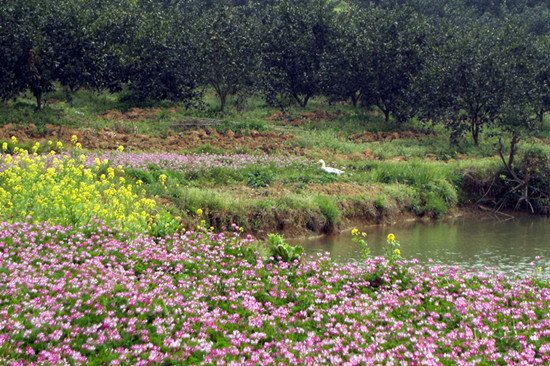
x,y
329,169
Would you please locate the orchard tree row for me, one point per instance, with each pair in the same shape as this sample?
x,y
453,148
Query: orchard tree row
x,y
464,63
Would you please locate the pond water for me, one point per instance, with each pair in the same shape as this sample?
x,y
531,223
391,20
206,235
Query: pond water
x,y
484,243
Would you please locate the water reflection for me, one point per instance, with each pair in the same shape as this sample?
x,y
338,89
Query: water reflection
x,y
508,246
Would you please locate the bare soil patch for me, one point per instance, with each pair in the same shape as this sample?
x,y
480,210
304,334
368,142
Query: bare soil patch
x,y
107,139
389,136
303,118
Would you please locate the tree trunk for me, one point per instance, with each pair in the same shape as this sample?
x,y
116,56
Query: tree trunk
x,y
355,99
223,99
38,96
513,149
301,102
69,95
386,114
475,132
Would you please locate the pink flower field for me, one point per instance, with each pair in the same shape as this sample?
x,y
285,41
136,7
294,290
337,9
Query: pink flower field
x,y
195,162
94,296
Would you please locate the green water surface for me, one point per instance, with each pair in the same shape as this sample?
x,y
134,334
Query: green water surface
x,y
485,243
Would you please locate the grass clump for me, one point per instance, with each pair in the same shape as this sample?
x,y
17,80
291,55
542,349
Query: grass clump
x,y
190,199
328,208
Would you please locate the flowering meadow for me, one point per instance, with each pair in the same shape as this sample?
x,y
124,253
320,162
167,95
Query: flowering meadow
x,y
186,163
95,296
61,190
78,288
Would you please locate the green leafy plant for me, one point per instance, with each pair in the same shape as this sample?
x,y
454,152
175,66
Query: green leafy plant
x,y
261,178
281,250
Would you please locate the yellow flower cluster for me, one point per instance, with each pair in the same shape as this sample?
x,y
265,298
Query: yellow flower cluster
x,y
63,191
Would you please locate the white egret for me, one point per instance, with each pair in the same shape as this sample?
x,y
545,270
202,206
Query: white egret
x,y
329,169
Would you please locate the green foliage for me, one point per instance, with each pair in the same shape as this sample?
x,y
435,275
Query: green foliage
x,y
261,178
296,35
328,208
394,59
479,75
228,49
415,173
281,250
164,46
164,224
138,174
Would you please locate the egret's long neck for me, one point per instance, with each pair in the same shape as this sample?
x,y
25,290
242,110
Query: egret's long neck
x,y
323,164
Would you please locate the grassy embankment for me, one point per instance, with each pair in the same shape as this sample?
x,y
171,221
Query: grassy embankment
x,y
415,174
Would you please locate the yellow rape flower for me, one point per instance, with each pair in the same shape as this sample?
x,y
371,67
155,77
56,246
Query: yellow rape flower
x,y
199,212
121,148
5,146
14,139
162,178
391,237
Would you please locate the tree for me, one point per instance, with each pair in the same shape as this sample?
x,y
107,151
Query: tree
x,y
395,39
82,57
162,62
228,51
541,78
520,112
344,63
295,34
26,62
463,83
52,41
